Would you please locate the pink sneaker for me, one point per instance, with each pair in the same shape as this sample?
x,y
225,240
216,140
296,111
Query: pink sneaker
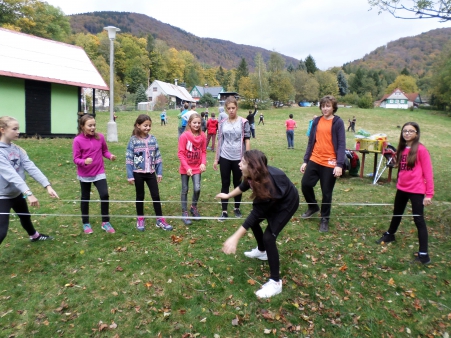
x,y
87,228
161,223
108,227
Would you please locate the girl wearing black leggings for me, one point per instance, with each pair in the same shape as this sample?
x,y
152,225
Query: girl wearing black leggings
x,y
233,140
276,199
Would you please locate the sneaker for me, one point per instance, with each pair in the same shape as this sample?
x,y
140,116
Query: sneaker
x,y
237,213
386,238
161,223
87,228
324,225
185,218
310,212
255,253
194,212
140,224
223,216
108,227
423,259
41,237
269,289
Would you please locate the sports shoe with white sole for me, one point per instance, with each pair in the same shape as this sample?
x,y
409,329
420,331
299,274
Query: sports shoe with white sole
x,y
255,253
269,289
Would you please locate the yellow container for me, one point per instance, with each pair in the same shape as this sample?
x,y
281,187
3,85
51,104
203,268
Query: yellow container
x,y
370,145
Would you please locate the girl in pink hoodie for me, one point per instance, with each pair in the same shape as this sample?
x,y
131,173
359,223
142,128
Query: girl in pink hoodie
x,y
415,183
193,159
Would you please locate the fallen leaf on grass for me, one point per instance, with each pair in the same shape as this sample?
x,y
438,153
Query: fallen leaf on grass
x,y
102,326
113,325
391,282
251,281
120,249
118,268
236,321
266,331
148,285
343,268
176,239
203,320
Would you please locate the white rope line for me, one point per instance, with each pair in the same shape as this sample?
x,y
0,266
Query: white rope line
x,y
219,202
189,217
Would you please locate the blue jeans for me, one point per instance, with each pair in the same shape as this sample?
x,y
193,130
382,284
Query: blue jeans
x,y
290,138
196,190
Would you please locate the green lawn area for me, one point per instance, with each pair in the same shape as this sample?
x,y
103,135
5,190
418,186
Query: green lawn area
x,y
180,284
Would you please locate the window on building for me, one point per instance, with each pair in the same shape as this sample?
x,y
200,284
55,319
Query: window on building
x,y
391,101
150,99
155,89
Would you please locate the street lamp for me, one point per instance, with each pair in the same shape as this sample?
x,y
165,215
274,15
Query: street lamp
x,y
111,135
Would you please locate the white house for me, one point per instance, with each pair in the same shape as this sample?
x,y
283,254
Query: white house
x,y
175,93
399,99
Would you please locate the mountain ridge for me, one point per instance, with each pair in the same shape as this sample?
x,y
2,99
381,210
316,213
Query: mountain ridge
x,y
212,51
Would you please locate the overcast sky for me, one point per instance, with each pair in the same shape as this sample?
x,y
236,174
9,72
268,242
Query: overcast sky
x,y
332,31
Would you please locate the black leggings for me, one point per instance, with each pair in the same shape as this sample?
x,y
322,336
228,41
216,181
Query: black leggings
x,y
401,199
152,184
226,167
20,206
266,241
102,188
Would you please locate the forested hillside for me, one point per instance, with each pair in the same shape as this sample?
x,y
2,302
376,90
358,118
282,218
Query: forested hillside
x,y
415,53
213,52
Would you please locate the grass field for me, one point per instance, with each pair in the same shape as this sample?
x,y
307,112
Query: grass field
x,y
179,283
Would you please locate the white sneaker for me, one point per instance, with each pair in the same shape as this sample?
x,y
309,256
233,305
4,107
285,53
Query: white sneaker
x,y
255,253
269,289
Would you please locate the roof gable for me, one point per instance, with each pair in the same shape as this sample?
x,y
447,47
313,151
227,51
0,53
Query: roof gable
x,y
173,90
30,57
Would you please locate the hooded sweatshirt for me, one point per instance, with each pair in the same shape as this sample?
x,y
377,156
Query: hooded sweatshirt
x,y
14,162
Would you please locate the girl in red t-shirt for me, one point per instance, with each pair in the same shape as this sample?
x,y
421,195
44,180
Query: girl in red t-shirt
x,y
193,159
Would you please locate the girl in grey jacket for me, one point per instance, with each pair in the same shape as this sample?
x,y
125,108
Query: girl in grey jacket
x,y
14,162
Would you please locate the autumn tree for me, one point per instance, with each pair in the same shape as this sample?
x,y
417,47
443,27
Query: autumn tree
x,y
414,9
306,86
407,84
327,82
35,18
241,71
260,77
247,89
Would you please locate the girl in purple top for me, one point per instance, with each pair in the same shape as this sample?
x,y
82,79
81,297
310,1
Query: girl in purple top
x,y
415,183
89,148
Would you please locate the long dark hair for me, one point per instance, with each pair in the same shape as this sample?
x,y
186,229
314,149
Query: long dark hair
x,y
412,156
257,165
140,120
82,121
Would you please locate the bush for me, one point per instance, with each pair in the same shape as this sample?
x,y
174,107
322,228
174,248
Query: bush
x,y
161,102
366,101
351,99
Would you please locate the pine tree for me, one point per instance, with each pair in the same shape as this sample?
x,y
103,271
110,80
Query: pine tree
x,y
141,94
301,65
342,83
310,65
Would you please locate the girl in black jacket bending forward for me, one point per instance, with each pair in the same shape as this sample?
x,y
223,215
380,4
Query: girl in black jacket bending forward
x,y
276,199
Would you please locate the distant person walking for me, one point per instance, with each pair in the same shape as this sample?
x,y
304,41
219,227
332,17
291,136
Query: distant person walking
x,y
262,119
251,119
290,124
352,124
163,117
182,122
212,129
